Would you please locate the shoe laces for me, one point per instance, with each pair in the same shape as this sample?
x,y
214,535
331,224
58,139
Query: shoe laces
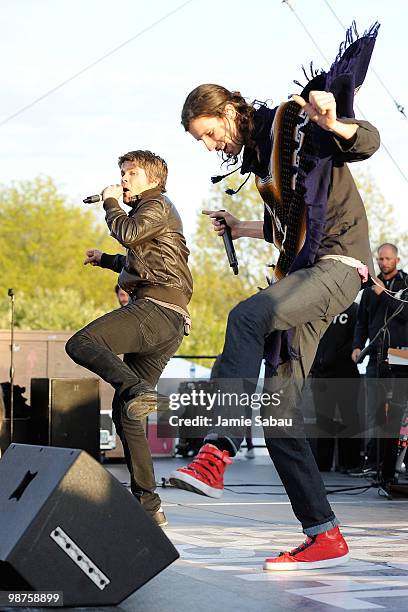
x,y
308,542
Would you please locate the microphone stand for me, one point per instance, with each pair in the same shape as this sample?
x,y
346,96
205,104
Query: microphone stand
x,y
382,330
10,293
376,483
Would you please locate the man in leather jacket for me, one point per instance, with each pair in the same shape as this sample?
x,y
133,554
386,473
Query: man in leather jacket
x,y
149,329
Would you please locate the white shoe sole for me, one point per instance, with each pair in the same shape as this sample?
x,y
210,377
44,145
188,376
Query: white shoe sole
x,y
189,483
301,565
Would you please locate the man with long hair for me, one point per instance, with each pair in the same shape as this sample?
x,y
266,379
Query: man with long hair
x,y
315,216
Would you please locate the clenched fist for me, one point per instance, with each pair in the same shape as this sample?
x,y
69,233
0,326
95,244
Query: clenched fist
x,y
93,257
321,109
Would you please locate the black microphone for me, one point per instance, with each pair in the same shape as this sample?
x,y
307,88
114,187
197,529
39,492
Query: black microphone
x,y
93,199
229,245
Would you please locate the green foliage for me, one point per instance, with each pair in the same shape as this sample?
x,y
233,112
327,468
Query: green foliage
x,y
62,309
43,239
382,220
380,213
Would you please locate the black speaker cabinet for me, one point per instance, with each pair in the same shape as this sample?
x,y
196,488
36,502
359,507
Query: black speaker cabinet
x,y
65,412
67,525
22,416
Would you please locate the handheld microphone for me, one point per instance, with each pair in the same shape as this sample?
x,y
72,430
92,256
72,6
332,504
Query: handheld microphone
x,y
229,245
93,199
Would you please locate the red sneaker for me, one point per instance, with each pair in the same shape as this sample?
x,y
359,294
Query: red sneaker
x,y
204,475
322,550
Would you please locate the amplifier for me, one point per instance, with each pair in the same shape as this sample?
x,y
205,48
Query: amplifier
x,y
65,413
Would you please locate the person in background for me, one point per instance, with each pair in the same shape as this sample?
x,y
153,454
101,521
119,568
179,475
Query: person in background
x,y
375,309
122,295
336,385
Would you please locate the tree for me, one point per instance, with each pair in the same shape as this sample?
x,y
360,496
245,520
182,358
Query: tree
x,y
43,239
382,219
53,310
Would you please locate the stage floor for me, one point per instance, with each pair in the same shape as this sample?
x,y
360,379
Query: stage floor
x,y
223,543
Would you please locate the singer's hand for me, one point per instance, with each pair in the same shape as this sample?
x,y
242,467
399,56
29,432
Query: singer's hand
x,y
355,355
232,222
93,257
112,191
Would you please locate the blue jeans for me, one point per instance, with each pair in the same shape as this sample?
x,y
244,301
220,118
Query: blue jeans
x,y
306,301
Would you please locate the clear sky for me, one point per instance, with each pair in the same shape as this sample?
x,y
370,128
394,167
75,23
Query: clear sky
x,y
132,99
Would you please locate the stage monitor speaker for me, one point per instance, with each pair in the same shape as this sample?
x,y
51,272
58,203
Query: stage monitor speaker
x,y
66,413
68,525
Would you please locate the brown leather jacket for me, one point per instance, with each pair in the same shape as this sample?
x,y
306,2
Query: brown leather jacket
x,y
155,264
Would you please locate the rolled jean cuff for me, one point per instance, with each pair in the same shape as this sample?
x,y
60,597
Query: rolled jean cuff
x,y
316,529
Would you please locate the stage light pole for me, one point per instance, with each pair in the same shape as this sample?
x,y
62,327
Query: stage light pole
x,y
10,293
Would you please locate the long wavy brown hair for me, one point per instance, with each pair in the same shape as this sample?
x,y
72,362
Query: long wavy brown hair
x,y
209,100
